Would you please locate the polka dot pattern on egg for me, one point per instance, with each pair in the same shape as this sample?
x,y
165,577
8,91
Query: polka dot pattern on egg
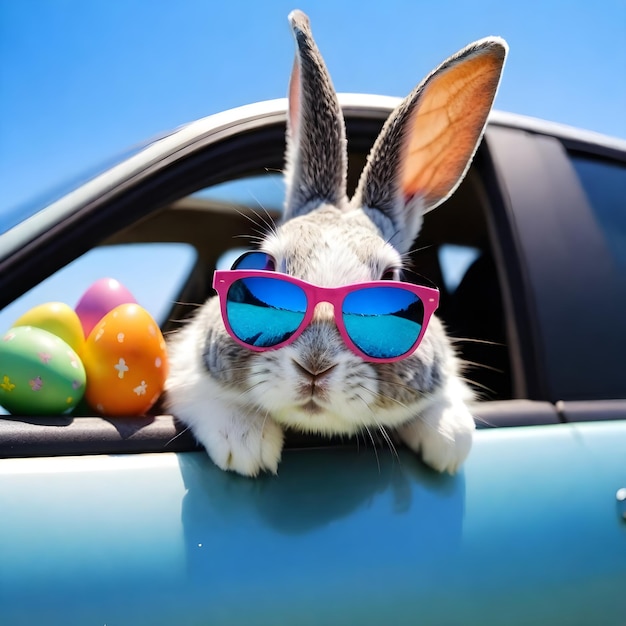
x,y
126,362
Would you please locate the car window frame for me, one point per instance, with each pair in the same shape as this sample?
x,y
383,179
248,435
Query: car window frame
x,y
535,176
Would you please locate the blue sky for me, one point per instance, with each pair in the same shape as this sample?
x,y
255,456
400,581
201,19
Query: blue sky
x,y
82,80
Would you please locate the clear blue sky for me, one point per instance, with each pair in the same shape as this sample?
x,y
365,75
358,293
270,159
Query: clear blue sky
x,y
81,80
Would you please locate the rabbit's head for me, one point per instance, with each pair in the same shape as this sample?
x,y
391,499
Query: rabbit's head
x,y
327,239
300,365
317,382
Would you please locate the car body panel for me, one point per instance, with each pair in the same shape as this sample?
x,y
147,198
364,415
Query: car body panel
x,y
341,535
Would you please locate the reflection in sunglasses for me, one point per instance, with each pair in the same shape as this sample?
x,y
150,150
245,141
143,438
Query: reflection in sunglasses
x,y
265,310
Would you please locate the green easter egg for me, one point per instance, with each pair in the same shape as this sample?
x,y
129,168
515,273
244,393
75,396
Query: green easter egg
x,y
40,374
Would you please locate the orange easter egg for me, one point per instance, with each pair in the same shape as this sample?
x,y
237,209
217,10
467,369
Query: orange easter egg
x,y
125,360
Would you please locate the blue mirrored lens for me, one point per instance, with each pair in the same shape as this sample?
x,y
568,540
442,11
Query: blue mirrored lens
x,y
383,322
264,312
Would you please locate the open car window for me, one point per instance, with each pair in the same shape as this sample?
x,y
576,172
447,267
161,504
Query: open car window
x,y
167,259
172,229
453,251
153,272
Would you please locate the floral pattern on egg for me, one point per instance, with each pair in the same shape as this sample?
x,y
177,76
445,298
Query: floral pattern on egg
x,y
126,362
40,374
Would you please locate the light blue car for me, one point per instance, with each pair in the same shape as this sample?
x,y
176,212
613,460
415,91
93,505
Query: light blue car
x,y
126,520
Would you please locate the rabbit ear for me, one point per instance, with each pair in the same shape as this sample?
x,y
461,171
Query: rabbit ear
x,y
427,144
316,163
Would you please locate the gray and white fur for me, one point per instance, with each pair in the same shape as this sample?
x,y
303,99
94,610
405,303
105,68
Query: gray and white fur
x,y
236,401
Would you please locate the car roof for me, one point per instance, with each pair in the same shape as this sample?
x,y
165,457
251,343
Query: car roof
x,y
379,106
190,136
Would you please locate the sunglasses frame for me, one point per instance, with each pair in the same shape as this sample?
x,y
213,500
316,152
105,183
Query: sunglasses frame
x,y
224,279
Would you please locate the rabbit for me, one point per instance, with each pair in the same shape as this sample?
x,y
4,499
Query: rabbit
x,y
237,401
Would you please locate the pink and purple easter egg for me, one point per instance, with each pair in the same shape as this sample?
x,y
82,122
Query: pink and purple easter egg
x,y
100,298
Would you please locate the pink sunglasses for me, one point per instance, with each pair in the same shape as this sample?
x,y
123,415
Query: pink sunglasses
x,y
380,321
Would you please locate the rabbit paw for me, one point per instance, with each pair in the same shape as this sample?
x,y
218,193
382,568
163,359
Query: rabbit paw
x,y
442,434
247,447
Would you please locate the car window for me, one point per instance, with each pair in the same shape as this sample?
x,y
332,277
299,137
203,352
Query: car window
x,y
604,183
153,272
193,234
455,260
265,193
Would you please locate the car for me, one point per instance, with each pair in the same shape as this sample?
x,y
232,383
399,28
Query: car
x,y
125,520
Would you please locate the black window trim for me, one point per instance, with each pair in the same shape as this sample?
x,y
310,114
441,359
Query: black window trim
x,y
535,174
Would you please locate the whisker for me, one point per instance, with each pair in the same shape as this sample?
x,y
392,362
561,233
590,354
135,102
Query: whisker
x,y
244,393
265,418
177,435
262,229
477,384
406,256
481,341
389,441
369,432
413,251
191,304
398,385
358,443
175,320
379,426
255,239
482,365
267,219
482,420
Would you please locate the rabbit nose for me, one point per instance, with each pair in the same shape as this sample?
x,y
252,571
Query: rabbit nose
x,y
314,371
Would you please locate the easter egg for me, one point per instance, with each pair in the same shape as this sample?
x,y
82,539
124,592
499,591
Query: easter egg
x,y
40,374
57,318
100,298
126,362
